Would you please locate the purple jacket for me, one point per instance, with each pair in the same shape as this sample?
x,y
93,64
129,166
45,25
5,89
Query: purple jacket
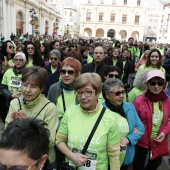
x,y
143,107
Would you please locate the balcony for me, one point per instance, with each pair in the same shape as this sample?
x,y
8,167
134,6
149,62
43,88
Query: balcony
x,y
124,22
88,20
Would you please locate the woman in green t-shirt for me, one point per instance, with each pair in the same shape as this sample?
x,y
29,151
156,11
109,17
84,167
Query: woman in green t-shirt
x,y
77,123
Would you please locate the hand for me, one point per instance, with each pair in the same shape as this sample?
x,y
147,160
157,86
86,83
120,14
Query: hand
x,y
15,95
18,115
124,141
160,137
79,159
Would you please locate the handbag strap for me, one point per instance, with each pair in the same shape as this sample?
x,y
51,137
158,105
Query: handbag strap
x,y
20,108
42,109
64,105
93,131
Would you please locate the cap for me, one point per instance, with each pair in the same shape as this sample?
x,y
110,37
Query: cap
x,y
155,73
20,54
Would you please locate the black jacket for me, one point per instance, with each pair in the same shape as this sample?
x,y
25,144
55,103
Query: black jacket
x,y
91,68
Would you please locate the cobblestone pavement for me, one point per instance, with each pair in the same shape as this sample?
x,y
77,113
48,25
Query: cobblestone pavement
x,y
164,165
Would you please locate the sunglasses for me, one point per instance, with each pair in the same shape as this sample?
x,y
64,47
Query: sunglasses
x,y
70,72
30,48
11,47
113,75
54,59
159,83
118,93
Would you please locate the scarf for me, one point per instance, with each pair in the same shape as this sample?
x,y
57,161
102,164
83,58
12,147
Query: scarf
x,y
118,109
154,97
65,86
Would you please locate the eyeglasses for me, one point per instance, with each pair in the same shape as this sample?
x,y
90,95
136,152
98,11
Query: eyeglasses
x,y
70,72
10,46
18,167
113,75
30,48
30,86
87,93
54,59
118,93
18,60
159,83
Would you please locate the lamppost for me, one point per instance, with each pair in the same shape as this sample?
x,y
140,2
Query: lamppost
x,y
56,21
32,15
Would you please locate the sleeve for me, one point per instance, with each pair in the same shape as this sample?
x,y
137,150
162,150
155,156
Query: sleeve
x,y
135,136
83,70
113,153
61,138
50,94
51,118
5,92
131,96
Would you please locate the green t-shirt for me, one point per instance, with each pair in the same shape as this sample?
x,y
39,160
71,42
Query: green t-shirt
x,y
124,62
53,70
12,81
157,118
134,93
70,100
143,67
77,125
29,63
114,62
89,59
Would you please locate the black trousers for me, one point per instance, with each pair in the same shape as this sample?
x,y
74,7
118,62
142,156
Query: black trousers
x,y
3,108
140,158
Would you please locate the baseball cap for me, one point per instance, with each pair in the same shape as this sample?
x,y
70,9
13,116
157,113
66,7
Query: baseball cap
x,y
155,73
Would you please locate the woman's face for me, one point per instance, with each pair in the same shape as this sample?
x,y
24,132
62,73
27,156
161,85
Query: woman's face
x,y
56,46
146,54
154,58
20,50
116,95
30,90
42,48
30,49
85,53
87,97
115,53
68,75
125,55
113,74
10,48
156,85
19,62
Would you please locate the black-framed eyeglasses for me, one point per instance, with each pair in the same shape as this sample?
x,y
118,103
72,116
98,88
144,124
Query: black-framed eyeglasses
x,y
159,83
70,72
118,93
113,75
11,47
30,48
51,58
18,167
87,93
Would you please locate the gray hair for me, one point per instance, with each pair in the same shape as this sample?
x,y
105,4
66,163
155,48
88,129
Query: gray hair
x,y
56,52
22,55
109,84
141,79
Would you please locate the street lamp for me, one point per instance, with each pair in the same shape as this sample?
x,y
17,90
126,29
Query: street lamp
x,y
32,15
56,21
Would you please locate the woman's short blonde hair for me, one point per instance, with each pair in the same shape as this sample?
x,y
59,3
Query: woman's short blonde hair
x,y
93,78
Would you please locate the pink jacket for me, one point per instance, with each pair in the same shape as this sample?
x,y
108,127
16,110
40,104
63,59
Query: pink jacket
x,y
144,109
139,63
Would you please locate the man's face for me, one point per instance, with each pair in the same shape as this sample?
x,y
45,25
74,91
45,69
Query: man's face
x,y
98,55
12,158
131,42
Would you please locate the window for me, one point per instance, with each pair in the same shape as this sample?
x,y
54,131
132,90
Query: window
x,y
70,13
150,20
167,28
138,2
101,17
88,16
162,18
168,18
112,18
102,1
149,27
137,19
89,1
124,19
125,2
65,12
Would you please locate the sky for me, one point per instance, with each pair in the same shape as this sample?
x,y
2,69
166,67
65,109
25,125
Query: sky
x,y
151,3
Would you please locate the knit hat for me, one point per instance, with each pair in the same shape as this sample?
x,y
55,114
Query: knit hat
x,y
155,73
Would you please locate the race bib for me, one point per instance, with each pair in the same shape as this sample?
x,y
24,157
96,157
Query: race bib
x,y
15,82
123,150
90,164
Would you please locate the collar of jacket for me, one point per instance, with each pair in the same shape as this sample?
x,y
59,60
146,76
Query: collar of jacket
x,y
165,96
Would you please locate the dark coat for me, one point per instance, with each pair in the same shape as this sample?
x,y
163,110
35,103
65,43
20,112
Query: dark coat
x,y
51,78
91,68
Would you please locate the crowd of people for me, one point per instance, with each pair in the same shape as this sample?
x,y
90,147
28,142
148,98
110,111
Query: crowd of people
x,y
101,104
